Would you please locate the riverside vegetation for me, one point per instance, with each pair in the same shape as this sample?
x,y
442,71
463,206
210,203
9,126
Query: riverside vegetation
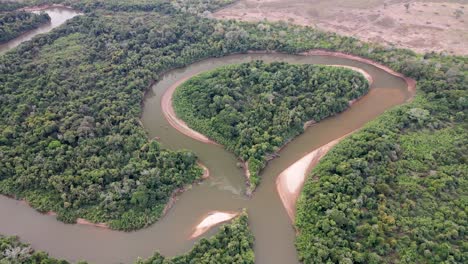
x,y
13,24
393,192
255,108
233,243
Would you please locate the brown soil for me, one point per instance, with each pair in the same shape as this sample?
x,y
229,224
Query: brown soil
x,y
428,25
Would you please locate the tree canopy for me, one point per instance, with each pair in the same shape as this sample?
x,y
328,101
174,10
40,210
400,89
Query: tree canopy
x,y
13,24
254,108
233,243
69,132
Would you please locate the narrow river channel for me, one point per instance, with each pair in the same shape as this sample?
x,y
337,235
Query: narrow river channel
x,y
223,191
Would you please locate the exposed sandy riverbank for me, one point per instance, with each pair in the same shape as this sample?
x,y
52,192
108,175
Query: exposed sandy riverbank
x,y
171,117
289,182
181,126
211,219
80,221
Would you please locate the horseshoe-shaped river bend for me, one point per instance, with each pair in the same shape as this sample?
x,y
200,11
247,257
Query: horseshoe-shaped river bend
x,y
223,191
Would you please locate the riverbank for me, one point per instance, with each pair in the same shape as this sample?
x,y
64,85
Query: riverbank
x,y
177,123
43,7
169,204
180,125
176,193
211,219
411,83
289,182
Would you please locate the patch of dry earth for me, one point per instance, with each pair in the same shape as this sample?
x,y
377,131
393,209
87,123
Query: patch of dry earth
x,y
426,25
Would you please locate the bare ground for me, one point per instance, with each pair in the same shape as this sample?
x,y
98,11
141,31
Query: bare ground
x,y
427,25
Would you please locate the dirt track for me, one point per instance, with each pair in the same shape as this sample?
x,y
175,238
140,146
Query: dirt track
x,y
427,25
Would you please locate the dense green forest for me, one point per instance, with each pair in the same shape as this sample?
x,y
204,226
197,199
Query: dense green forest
x,y
198,7
13,24
254,108
396,191
70,139
233,243
6,5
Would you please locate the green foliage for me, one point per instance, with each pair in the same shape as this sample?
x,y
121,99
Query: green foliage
x,y
232,244
396,191
387,194
6,5
195,7
12,251
13,24
254,108
70,138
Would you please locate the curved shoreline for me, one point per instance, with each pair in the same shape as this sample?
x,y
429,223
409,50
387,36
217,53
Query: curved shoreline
x,y
79,221
175,194
289,182
172,199
174,121
171,233
411,83
286,179
211,219
180,125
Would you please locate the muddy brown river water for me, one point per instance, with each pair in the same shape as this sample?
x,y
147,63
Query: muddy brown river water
x,y
223,191
58,16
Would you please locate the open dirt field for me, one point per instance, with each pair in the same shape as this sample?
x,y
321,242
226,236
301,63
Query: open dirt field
x,y
426,25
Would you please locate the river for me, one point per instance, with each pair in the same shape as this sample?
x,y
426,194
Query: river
x,y
223,191
58,16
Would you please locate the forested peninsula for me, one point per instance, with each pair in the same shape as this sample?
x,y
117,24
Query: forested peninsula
x,y
70,140
255,108
13,24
